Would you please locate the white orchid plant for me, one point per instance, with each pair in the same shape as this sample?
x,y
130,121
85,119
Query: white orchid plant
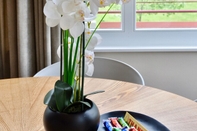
x,y
76,51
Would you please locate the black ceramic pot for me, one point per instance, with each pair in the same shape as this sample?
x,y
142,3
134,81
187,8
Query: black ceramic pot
x,y
83,121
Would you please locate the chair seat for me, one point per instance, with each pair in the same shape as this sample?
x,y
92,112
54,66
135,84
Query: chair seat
x,y
103,68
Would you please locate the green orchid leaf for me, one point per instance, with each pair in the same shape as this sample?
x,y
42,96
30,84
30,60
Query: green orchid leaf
x,y
49,100
63,94
47,97
78,106
52,103
92,93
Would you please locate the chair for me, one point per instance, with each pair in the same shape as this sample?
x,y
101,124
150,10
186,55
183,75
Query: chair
x,y
103,68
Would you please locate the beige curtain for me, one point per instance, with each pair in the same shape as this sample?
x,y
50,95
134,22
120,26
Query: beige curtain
x,y
26,44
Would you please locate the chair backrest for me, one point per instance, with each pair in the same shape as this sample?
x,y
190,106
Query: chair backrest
x,y
103,68
51,70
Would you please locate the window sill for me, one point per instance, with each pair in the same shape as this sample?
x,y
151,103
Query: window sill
x,y
147,49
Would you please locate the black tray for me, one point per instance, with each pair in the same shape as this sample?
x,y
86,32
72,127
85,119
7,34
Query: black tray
x,y
149,123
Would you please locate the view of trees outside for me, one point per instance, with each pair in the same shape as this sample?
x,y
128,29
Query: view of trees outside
x,y
158,14
166,13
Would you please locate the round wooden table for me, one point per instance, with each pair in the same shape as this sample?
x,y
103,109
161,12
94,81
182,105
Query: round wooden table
x,y
21,103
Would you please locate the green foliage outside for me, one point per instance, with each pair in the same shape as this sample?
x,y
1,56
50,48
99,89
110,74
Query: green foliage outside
x,y
110,17
158,17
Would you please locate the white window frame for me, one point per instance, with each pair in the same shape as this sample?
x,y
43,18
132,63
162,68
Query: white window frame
x,y
129,39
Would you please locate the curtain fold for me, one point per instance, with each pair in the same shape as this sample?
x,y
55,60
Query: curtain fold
x,y
26,38
12,37
1,39
8,55
26,44
55,40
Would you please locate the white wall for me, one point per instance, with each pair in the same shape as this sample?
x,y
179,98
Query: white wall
x,y
171,71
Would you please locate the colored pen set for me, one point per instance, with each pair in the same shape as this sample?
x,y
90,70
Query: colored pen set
x,y
117,124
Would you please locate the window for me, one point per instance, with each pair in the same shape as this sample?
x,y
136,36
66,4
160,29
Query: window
x,y
166,14
112,20
133,37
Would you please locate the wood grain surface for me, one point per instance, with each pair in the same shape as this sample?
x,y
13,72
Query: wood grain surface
x,y
22,108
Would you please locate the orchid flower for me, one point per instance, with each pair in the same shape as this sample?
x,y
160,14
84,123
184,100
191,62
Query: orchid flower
x,y
52,14
74,20
102,3
89,59
93,7
69,14
95,40
89,52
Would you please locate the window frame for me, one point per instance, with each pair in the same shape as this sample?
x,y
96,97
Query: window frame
x,y
130,39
